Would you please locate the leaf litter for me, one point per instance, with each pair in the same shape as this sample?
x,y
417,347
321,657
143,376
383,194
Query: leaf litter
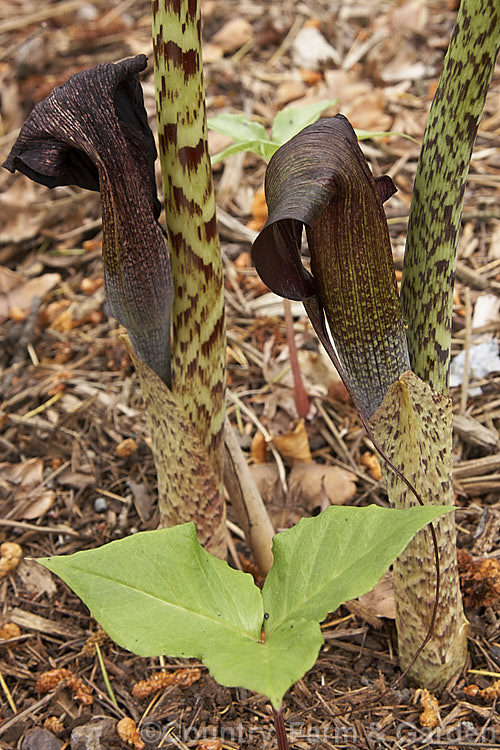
x,y
92,441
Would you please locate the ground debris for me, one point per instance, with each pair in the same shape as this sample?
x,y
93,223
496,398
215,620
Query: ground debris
x,y
479,579
163,679
65,678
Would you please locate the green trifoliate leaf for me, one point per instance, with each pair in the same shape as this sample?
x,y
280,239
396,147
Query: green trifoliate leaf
x,y
265,149
248,136
252,136
160,592
320,180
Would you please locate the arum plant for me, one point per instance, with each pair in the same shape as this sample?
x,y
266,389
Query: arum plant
x,y
320,180
93,132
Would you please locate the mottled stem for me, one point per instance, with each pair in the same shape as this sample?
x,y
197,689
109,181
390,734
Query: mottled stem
x,y
426,295
413,426
198,343
438,193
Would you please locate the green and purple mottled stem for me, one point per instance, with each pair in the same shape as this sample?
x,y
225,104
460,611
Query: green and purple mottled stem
x,y
198,343
426,294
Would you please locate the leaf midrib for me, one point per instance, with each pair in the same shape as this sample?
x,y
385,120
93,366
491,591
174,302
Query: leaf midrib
x,y
187,610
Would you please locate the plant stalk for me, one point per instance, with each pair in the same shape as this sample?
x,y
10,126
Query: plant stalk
x,y
426,296
281,735
198,344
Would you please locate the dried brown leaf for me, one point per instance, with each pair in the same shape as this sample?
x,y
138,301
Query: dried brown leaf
x,y
294,445
258,448
312,485
233,35
11,555
26,473
380,600
18,293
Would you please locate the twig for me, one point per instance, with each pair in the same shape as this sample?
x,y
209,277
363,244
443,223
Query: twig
x,y
247,502
38,529
267,436
8,694
105,676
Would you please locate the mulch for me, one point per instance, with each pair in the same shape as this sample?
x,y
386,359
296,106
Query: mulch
x,y
76,469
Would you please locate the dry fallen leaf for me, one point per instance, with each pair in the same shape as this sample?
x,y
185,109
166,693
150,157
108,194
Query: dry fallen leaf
x,y
18,293
259,211
20,217
268,483
258,448
294,445
310,486
35,579
29,498
319,485
233,35
10,556
26,473
380,599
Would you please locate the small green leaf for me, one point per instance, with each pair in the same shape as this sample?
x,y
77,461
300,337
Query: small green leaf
x,y
237,126
265,149
339,555
291,120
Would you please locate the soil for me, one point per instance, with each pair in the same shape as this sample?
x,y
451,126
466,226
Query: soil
x,y
76,466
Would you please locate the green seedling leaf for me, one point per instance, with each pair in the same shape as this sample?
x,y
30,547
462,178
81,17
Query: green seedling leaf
x,y
160,592
238,126
252,136
291,120
340,555
363,135
265,149
248,136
